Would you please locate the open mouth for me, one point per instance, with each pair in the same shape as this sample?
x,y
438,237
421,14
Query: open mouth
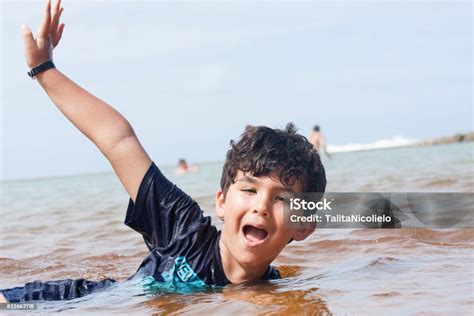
x,y
254,236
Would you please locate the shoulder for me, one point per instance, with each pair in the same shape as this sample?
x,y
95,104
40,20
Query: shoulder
x,y
156,187
163,213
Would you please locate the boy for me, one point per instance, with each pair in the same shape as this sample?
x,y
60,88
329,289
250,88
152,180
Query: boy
x,y
261,172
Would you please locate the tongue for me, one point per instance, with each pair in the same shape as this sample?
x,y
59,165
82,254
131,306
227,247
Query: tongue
x,y
254,233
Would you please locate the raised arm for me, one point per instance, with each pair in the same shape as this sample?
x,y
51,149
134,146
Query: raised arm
x,y
101,123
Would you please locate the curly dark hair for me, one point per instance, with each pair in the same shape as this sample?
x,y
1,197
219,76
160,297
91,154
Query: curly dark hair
x,y
262,151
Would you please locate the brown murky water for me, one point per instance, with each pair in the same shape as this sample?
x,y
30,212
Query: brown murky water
x,y
72,227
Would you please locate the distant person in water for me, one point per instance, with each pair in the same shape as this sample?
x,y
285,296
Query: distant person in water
x,y
318,141
183,167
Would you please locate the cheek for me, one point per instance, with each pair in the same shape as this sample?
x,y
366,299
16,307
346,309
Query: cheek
x,y
284,231
240,203
279,216
235,209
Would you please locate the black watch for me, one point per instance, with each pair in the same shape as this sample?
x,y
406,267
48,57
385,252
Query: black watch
x,y
39,69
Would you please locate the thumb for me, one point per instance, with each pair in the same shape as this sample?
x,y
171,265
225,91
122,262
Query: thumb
x,y
28,39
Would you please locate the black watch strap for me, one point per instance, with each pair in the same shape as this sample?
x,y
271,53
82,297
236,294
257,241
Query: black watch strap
x,y
39,69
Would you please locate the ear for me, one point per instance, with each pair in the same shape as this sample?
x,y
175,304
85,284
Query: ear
x,y
220,203
303,233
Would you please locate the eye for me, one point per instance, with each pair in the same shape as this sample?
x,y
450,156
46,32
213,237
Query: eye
x,y
282,198
249,191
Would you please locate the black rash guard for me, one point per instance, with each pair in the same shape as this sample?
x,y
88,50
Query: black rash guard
x,y
184,247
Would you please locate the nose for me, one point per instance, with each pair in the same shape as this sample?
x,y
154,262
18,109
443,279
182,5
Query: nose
x,y
262,207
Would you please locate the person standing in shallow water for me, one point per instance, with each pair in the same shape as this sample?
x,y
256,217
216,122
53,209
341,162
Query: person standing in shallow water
x,y
317,139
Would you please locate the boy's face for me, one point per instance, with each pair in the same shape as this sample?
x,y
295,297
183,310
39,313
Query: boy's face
x,y
254,232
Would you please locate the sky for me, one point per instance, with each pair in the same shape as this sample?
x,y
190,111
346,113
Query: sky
x,y
190,75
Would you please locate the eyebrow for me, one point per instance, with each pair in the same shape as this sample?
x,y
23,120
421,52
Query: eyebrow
x,y
248,179
255,180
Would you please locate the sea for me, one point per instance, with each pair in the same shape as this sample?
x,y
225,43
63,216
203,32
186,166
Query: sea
x,y
72,227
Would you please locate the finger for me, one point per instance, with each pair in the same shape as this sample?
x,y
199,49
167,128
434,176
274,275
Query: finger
x,y
29,44
43,31
57,6
55,29
28,39
59,34
60,12
55,18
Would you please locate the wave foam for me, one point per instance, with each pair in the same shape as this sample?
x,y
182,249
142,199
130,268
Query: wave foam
x,y
397,141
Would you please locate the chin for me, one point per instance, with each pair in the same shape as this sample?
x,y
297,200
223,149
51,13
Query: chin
x,y
252,256
250,259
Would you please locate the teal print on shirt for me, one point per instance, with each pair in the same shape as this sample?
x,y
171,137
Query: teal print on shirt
x,y
178,278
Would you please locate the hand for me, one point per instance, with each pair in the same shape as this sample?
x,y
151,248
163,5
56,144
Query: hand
x,y
40,49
